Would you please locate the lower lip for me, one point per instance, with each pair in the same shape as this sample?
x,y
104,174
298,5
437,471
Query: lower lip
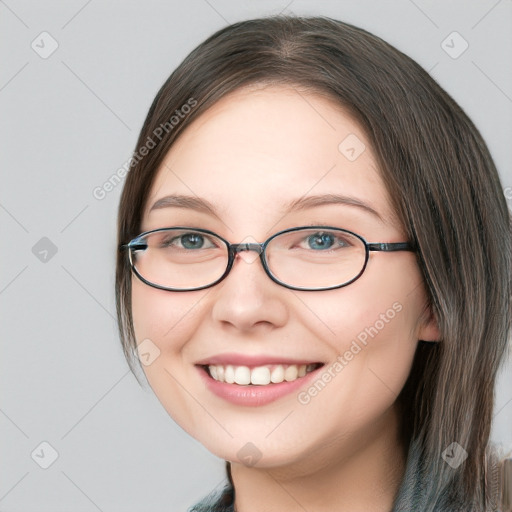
x,y
251,395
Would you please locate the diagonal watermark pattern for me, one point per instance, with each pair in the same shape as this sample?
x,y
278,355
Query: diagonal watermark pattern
x,y
67,137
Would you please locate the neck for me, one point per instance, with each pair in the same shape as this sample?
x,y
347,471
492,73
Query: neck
x,y
357,474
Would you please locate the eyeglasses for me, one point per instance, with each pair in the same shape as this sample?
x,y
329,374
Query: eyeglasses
x,y
311,258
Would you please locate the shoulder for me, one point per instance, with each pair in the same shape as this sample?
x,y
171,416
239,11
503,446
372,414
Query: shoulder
x,y
216,501
423,490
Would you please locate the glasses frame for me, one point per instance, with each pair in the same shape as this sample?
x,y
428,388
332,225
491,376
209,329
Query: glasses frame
x,y
260,248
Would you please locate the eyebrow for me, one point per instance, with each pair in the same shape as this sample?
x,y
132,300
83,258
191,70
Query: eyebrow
x,y
181,201
303,203
327,199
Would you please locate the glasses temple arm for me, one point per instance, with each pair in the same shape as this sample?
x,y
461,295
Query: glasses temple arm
x,y
390,247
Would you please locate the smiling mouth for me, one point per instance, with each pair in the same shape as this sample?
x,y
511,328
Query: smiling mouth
x,y
259,375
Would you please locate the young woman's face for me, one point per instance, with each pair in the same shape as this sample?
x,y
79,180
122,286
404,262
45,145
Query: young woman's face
x,y
250,167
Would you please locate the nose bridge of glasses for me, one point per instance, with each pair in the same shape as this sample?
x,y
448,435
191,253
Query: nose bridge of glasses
x,y
248,251
237,248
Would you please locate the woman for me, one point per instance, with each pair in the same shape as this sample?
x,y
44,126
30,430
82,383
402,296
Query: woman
x,y
315,269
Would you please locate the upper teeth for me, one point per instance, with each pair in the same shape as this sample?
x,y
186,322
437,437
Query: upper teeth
x,y
260,375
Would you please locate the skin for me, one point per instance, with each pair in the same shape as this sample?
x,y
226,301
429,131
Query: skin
x,y
250,155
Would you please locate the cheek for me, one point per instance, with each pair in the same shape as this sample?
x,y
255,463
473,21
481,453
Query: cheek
x,y
371,328
168,319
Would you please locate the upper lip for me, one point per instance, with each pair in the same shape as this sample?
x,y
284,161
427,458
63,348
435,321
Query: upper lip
x,y
251,360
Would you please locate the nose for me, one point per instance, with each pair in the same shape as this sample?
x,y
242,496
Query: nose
x,y
247,299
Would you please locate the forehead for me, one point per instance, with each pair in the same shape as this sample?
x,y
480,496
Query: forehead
x,y
258,149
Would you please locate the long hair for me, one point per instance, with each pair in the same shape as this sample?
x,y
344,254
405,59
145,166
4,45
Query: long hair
x,y
443,185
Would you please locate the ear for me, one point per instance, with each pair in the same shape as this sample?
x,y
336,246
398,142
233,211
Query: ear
x,y
428,329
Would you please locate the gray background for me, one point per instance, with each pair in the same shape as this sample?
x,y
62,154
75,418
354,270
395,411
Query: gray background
x,y
69,121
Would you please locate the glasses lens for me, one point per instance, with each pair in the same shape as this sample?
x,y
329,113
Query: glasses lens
x,y
180,259
316,258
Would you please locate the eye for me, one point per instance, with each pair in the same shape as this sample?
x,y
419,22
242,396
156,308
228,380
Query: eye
x,y
324,240
320,241
189,241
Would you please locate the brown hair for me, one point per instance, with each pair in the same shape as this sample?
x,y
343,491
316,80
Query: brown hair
x,y
444,187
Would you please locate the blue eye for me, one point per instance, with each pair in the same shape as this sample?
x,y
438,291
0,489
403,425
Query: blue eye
x,y
188,241
192,241
320,241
